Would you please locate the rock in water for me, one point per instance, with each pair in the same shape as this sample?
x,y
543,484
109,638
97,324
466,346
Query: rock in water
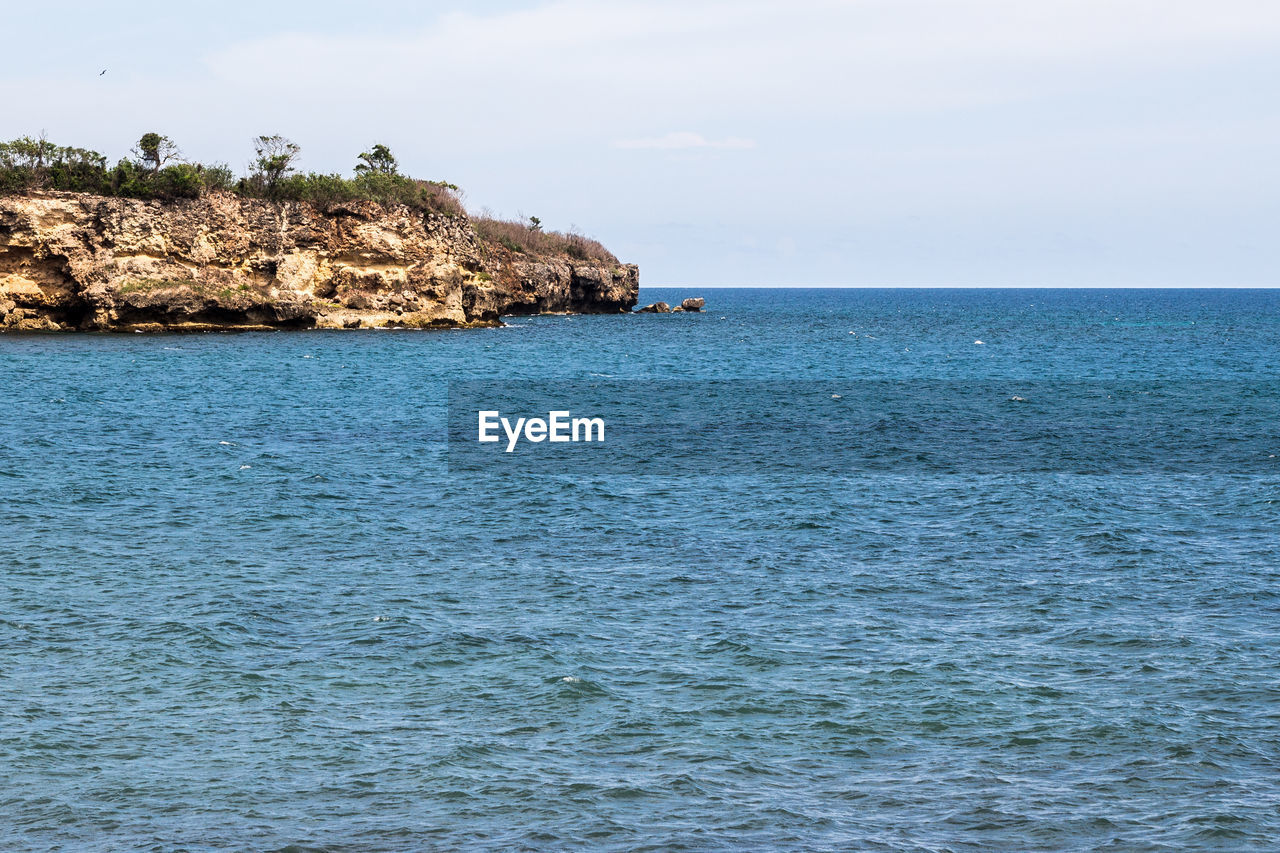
x,y
693,303
656,308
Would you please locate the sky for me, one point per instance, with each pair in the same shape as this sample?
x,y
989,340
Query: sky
x,y
802,143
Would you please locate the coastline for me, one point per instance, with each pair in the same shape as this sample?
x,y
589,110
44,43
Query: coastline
x,y
81,262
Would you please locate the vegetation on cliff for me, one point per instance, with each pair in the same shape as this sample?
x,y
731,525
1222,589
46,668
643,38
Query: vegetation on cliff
x,y
157,170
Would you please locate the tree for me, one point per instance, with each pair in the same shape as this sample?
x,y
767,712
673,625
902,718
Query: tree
x,y
535,224
379,160
27,153
154,150
27,164
274,159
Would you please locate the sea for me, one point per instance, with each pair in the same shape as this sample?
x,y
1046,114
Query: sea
x,y
887,570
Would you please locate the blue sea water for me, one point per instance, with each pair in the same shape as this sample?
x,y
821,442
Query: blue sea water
x,y
246,604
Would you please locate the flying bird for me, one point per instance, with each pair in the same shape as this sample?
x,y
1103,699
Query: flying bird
x,y
104,71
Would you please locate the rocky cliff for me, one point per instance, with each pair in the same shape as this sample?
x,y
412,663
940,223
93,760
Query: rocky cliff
x,y
81,262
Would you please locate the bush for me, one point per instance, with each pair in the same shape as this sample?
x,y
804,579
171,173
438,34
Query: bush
x,y
180,181
28,164
381,187
216,177
131,180
31,164
529,238
323,190
77,170
128,179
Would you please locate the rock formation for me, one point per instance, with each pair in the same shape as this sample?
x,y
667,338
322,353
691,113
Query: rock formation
x,y
693,304
70,261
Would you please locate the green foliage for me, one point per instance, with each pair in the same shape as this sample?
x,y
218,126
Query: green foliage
x,y
25,153
273,159
378,161
76,170
28,164
386,189
216,177
154,150
132,179
323,190
31,164
180,181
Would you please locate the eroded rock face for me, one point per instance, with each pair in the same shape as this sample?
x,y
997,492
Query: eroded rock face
x,y
70,261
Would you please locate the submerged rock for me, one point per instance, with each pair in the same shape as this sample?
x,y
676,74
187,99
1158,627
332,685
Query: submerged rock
x,y
72,261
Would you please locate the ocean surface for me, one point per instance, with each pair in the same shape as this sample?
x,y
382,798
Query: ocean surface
x,y
247,604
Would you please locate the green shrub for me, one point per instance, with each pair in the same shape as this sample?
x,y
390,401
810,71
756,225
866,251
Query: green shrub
x,y
326,190
28,164
31,164
216,177
77,170
130,180
180,181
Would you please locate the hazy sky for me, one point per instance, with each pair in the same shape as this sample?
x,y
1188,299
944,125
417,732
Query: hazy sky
x,y
811,142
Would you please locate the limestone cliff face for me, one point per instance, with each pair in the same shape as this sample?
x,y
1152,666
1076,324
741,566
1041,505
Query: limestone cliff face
x,y
81,262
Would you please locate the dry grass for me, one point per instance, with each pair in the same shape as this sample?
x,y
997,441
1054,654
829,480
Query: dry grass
x,y
526,240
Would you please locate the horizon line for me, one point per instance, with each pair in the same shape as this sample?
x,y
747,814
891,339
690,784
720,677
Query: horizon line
x,y
960,287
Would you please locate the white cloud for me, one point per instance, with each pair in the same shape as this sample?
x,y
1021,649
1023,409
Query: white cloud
x,y
804,56
683,140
